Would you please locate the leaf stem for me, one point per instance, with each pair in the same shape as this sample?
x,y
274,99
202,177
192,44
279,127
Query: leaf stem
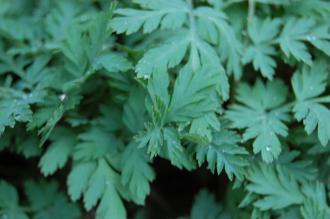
x,y
325,99
193,33
249,19
251,11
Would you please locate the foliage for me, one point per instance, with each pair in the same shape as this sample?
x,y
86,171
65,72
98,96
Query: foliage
x,y
96,93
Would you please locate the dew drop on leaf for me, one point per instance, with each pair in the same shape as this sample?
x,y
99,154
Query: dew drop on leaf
x,y
62,97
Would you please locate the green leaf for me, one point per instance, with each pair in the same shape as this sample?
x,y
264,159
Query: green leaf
x,y
277,188
116,208
47,129
152,139
73,48
208,57
311,209
224,153
44,198
78,179
319,37
317,8
229,46
204,125
166,14
8,195
134,110
194,94
98,32
58,152
12,111
53,111
174,151
315,204
262,113
59,19
163,57
301,170
205,206
48,202
308,84
292,36
136,172
36,72
29,147
9,202
113,63
260,52
95,143
158,88
166,143
97,181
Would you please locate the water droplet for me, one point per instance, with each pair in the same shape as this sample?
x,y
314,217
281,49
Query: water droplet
x,y
310,37
267,148
107,182
62,97
146,77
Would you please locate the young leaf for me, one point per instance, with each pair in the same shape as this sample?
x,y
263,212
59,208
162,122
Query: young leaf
x,y
278,188
166,14
205,206
262,113
48,202
174,151
193,94
308,85
134,110
319,37
315,204
9,202
94,144
291,39
137,173
301,170
12,111
224,153
204,125
262,34
159,59
229,46
58,152
97,181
